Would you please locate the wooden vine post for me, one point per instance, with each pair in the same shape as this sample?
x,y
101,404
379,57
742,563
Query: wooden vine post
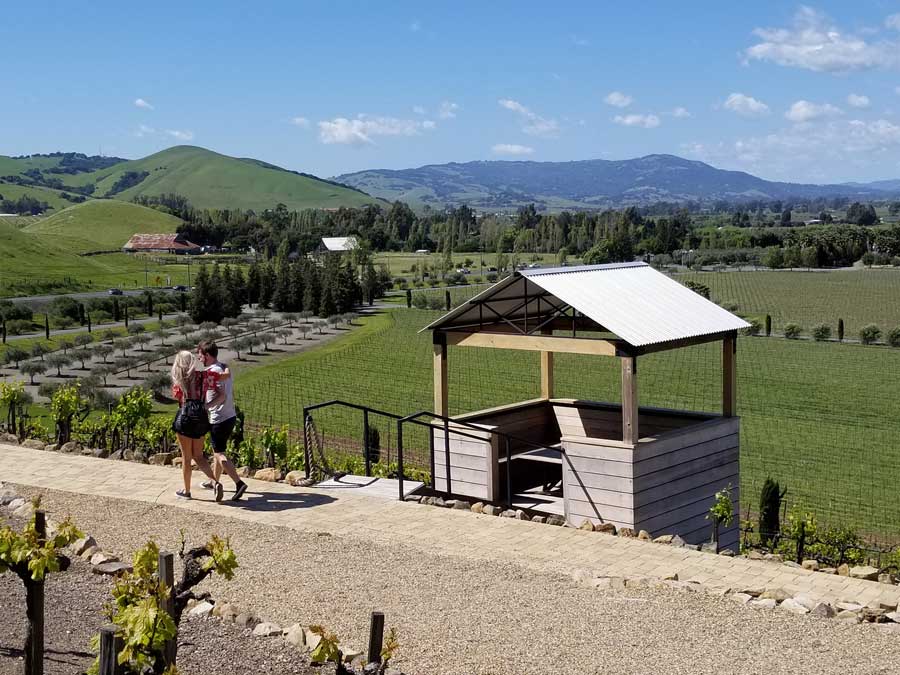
x,y
167,576
34,609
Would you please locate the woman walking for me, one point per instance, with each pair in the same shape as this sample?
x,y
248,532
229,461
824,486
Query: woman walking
x,y
191,422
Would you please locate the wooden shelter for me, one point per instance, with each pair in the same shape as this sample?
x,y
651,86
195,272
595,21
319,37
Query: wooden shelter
x,y
633,466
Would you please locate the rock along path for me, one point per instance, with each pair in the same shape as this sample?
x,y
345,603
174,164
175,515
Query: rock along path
x,y
468,566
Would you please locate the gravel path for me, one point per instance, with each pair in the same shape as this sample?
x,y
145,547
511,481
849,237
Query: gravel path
x,y
457,615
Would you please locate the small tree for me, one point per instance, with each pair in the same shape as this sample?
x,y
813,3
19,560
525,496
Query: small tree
x,y
16,355
136,329
721,513
306,315
821,332
123,345
792,331
768,325
81,355
769,512
840,330
104,351
83,340
141,341
38,349
67,404
32,368
893,337
869,335
284,334
65,343
32,555
103,371
305,329
239,345
58,361
126,363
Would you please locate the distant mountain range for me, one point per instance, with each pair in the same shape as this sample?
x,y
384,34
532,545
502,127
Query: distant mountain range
x,y
589,184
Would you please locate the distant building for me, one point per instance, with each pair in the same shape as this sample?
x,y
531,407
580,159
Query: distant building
x,y
813,221
160,243
337,244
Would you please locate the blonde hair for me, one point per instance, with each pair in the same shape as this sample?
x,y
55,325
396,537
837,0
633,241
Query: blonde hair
x,y
183,368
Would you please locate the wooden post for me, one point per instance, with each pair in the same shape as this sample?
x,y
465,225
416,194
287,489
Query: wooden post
x,y
34,610
729,376
630,432
166,571
376,637
546,375
110,646
441,406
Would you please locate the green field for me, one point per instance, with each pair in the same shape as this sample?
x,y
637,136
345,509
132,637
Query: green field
x,y
101,225
819,417
400,264
859,296
34,265
43,194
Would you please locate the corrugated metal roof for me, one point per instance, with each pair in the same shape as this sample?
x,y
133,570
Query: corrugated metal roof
x,y
169,241
631,300
339,243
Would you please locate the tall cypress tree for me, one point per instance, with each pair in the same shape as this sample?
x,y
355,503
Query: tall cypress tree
x,y
311,288
116,313
204,303
296,292
238,289
252,286
281,295
327,306
230,301
266,284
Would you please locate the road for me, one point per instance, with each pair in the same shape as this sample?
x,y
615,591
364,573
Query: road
x,y
76,296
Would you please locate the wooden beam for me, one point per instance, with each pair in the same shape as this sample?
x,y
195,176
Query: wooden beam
x,y
729,376
630,432
547,370
535,343
441,407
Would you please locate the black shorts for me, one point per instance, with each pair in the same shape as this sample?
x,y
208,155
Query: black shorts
x,y
220,433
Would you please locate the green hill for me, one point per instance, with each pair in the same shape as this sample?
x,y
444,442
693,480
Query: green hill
x,y
211,180
101,225
53,198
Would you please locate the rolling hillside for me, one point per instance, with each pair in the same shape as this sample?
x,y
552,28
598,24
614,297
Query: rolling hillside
x,y
101,225
211,180
53,197
588,184
208,179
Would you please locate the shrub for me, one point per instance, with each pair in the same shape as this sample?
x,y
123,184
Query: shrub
x,y
792,331
491,277
435,302
869,334
868,259
698,288
754,328
19,326
769,510
893,337
419,301
840,330
38,349
821,332
59,361
15,355
32,368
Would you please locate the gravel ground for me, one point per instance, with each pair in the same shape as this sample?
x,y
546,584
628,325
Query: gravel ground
x,y
455,615
74,612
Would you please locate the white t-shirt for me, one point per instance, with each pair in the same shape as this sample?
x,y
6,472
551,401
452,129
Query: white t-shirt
x,y
225,410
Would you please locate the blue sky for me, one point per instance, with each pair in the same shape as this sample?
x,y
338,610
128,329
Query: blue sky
x,y
785,91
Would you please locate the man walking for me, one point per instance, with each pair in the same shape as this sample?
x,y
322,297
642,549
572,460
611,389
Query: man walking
x,y
218,396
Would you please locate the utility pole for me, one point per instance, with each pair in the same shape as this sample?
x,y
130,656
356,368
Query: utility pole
x,y
189,273
146,282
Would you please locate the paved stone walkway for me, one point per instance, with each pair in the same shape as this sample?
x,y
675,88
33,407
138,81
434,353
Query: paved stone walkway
x,y
432,529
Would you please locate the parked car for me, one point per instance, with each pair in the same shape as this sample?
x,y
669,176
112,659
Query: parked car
x,y
179,288
114,291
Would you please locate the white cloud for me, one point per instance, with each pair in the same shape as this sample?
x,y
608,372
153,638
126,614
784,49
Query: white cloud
x,y
804,111
418,110
141,103
301,122
415,26
745,105
429,124
618,99
858,100
801,152
144,130
644,121
897,90
680,112
180,135
533,124
893,21
511,149
363,129
447,110
580,41
813,42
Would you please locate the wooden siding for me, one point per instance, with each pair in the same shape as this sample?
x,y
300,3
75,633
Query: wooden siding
x,y
664,485
473,463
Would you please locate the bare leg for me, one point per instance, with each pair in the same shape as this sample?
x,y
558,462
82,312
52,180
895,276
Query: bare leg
x,y
186,454
223,463
200,459
217,466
